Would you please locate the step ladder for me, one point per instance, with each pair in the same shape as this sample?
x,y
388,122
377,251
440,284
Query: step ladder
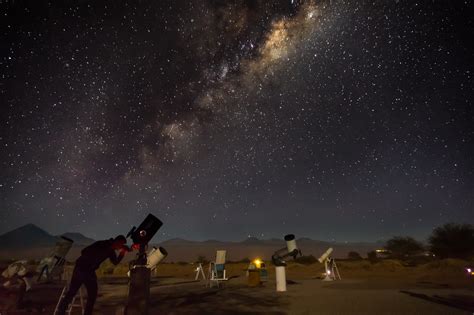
x,y
77,300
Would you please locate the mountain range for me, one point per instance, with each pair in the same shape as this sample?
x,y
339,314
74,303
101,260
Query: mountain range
x,y
30,241
32,236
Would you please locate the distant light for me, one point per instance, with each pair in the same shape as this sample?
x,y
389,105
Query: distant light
x,y
258,263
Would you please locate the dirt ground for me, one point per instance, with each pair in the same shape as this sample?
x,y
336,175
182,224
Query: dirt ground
x,y
384,288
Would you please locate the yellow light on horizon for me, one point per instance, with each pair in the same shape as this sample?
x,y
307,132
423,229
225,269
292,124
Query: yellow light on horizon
x,y
258,262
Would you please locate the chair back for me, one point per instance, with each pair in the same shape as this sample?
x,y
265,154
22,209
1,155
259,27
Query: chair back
x,y
220,257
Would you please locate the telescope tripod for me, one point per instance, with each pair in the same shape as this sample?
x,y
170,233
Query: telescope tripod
x,y
139,285
332,272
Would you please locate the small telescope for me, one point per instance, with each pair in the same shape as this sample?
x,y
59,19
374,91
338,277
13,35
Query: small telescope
x,y
155,256
332,272
325,256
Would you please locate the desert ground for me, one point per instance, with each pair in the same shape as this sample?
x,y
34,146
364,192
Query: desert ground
x,y
386,287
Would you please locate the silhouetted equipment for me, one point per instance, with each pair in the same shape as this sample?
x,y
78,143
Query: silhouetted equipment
x,y
52,267
146,230
139,286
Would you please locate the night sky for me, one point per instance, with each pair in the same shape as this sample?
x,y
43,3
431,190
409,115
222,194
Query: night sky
x,y
336,120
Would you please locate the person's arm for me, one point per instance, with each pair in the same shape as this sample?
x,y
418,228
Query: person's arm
x,y
117,259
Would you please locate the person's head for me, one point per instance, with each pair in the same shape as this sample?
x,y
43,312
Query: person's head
x,y
119,242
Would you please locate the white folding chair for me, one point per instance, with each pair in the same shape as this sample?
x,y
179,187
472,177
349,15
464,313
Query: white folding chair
x,y
217,269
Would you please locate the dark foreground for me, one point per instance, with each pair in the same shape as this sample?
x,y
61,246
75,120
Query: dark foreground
x,y
350,296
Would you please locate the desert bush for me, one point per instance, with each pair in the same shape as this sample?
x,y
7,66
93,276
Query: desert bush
x,y
442,266
306,260
453,241
121,269
372,257
403,247
352,255
106,268
390,265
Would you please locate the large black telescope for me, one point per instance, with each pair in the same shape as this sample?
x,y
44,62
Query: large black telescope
x,y
139,286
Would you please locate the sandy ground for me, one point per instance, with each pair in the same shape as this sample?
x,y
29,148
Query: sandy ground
x,y
365,289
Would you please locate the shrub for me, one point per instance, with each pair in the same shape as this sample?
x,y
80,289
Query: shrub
x,y
106,268
202,260
453,241
354,256
372,257
403,247
306,260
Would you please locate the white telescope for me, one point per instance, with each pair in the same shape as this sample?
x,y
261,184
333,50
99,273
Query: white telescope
x,y
278,259
290,243
332,272
54,263
155,256
325,255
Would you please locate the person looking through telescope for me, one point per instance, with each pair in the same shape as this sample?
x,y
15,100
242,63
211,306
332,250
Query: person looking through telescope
x,y
86,265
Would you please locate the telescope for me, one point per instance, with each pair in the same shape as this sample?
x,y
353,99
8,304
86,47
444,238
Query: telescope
x,y
332,272
325,256
278,259
155,256
291,250
140,271
142,235
53,265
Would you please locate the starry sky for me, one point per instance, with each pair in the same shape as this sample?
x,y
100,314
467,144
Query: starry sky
x,y
336,120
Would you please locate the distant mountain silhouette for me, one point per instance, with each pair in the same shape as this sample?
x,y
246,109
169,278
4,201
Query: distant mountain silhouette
x,y
32,236
250,240
30,241
177,241
27,236
78,238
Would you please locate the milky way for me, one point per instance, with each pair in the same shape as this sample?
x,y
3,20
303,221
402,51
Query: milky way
x,y
337,120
